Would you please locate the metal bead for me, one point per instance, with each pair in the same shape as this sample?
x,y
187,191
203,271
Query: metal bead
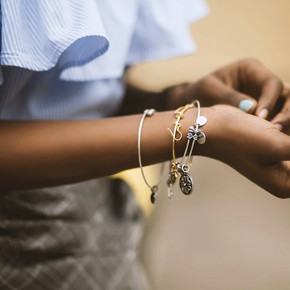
x,y
185,168
153,197
171,178
169,192
150,112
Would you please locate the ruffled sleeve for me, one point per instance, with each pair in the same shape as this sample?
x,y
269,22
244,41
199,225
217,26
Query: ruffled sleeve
x,y
37,35
162,29
71,34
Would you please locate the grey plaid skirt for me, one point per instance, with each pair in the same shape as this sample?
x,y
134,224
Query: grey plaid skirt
x,y
81,237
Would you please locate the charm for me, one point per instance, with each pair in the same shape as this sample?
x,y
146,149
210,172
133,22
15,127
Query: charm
x,y
171,181
186,183
201,138
196,135
183,168
201,121
193,133
154,194
172,178
169,192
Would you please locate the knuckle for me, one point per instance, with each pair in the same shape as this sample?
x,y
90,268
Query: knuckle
x,y
205,81
231,97
251,61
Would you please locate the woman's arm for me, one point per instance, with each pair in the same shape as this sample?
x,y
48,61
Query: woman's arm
x,y
47,153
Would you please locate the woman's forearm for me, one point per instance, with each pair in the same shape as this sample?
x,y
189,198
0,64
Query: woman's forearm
x,y
39,154
47,153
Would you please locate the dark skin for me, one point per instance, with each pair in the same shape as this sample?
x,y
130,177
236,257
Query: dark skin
x,y
48,153
246,79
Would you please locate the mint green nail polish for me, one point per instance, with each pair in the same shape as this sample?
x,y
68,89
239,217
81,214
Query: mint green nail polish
x,y
246,105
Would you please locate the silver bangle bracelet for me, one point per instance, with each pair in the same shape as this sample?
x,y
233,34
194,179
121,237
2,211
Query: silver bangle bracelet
x,y
194,134
154,188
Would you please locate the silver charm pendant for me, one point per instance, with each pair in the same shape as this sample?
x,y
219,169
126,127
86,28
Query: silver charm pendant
x,y
196,135
193,133
201,121
186,183
154,194
201,138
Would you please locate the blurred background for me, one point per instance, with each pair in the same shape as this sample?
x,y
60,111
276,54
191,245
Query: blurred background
x,y
229,234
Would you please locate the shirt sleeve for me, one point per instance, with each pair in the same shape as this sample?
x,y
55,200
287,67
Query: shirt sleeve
x,y
37,35
71,35
162,29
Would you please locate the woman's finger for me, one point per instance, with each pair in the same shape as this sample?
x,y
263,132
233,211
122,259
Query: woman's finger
x,y
271,91
282,119
259,82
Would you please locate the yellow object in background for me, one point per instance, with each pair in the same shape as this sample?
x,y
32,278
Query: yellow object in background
x,y
134,178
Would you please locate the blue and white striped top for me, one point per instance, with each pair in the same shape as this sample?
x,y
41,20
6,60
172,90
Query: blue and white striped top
x,y
64,59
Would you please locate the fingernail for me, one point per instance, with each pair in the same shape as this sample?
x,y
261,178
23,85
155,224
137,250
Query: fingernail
x,y
246,105
278,126
263,114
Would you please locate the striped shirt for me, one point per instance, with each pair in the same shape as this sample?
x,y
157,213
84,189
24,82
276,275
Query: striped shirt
x,y
65,59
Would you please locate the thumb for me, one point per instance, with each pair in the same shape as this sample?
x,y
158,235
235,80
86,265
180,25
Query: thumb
x,y
247,104
240,100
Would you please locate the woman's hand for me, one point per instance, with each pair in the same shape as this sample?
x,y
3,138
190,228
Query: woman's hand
x,y
245,84
49,153
251,145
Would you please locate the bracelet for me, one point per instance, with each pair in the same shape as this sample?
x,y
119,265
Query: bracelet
x,y
181,169
177,169
194,134
173,172
179,114
154,188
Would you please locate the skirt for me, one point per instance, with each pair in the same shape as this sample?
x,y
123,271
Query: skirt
x,y
83,236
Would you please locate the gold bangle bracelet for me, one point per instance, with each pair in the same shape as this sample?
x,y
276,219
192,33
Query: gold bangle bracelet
x,y
179,114
173,173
